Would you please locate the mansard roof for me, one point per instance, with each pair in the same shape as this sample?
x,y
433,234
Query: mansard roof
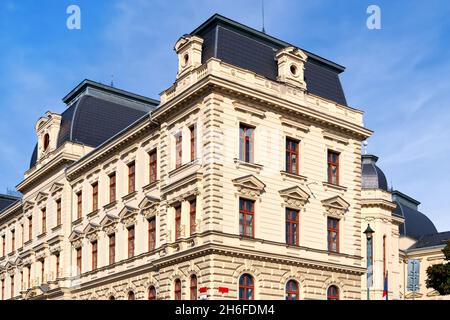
x,y
431,240
97,112
245,47
6,201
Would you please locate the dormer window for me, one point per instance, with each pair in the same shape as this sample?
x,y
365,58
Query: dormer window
x,y
46,141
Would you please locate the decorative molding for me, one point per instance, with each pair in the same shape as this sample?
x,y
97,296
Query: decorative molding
x,y
336,206
249,186
294,197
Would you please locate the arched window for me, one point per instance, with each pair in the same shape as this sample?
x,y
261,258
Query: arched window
x,y
151,293
111,298
131,296
246,287
177,295
46,141
193,287
333,293
292,291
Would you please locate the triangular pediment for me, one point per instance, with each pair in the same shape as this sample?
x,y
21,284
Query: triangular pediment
x,y
127,211
108,219
27,205
56,187
336,202
295,193
18,261
75,235
148,202
249,182
91,227
41,196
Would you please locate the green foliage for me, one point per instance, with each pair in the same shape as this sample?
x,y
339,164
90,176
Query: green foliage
x,y
439,274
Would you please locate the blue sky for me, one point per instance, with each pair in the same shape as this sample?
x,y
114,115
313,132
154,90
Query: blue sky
x,y
398,75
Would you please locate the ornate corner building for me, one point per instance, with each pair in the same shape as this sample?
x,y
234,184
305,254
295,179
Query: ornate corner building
x,y
245,181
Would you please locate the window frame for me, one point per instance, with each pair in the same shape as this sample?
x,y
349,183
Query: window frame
x,y
131,241
246,143
290,226
79,260
112,187
94,196
177,289
193,141
330,230
58,212
192,216
79,204
94,254
30,228
131,177
178,150
151,233
244,286
289,153
334,296
112,248
193,284
152,293
153,166
178,213
44,220
331,164
244,212
290,292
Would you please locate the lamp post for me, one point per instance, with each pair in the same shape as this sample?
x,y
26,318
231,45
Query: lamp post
x,y
369,236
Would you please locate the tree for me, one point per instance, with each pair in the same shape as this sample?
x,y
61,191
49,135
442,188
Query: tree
x,y
439,274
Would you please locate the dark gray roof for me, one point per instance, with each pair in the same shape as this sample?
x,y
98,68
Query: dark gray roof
x,y
416,223
432,240
372,176
6,201
251,49
97,112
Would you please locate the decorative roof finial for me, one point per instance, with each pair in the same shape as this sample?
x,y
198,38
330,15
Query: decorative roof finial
x,y
365,144
263,22
112,80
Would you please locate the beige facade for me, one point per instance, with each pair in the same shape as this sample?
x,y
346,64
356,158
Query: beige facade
x,y
216,98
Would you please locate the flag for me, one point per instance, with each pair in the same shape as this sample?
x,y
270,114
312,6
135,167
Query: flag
x,y
385,289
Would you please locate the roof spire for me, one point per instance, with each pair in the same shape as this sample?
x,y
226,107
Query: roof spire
x,y
263,22
112,80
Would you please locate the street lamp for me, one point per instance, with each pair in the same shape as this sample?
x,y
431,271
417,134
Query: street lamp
x,y
369,236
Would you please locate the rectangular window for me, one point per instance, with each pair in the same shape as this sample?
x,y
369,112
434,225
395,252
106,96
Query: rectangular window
x,y
3,245
178,150
112,248
333,235
177,222
79,204
29,277
292,147
131,177
57,265
58,212
95,196
292,227
79,260
193,132
192,215
3,289
384,257
130,242
112,187
153,166
151,234
21,280
13,240
42,270
12,286
246,142
44,220
246,218
30,227
22,229
333,167
94,254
